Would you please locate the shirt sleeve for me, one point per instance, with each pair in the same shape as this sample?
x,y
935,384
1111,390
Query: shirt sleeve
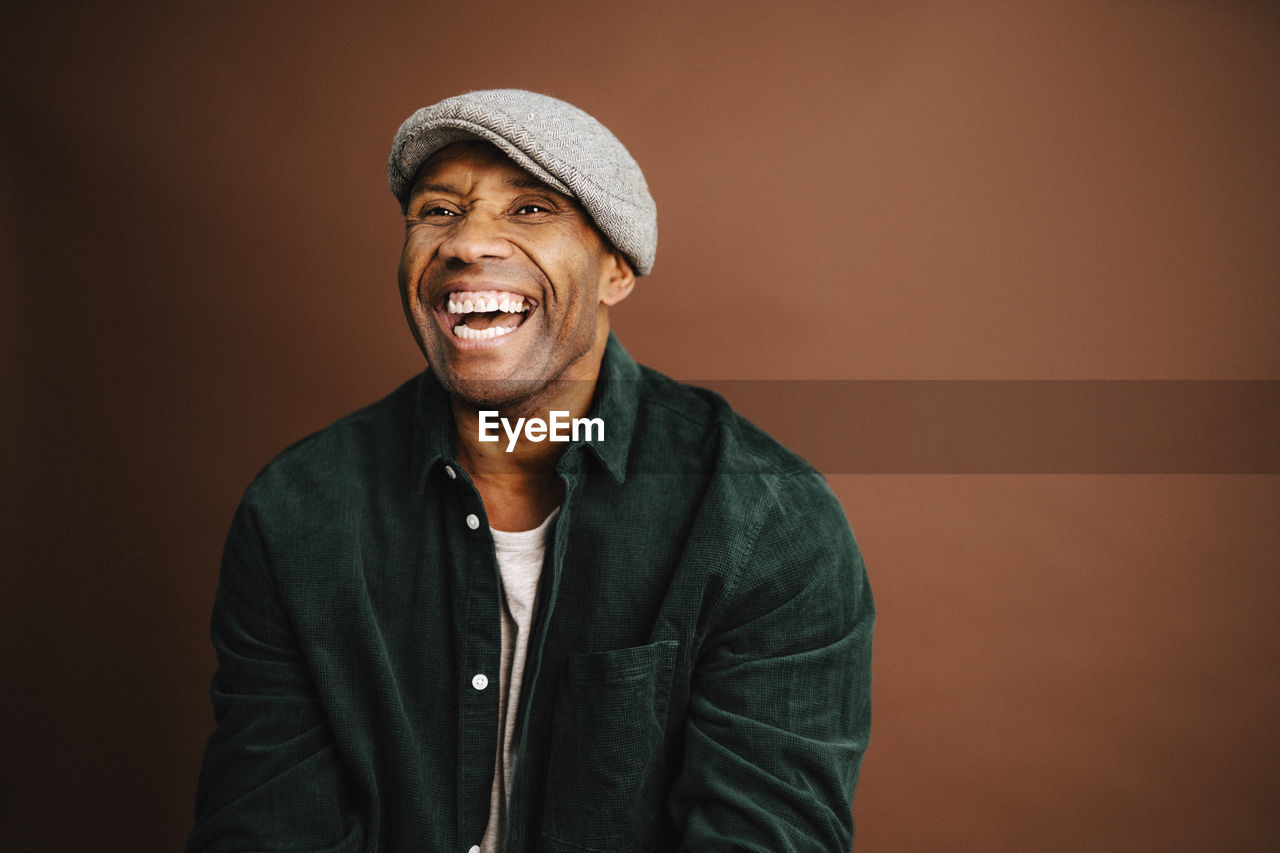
x,y
272,776
780,707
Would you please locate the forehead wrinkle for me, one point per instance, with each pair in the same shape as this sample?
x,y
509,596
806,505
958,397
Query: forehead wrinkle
x,y
447,189
525,181
514,177
521,182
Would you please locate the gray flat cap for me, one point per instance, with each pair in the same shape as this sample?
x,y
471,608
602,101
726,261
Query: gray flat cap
x,y
554,141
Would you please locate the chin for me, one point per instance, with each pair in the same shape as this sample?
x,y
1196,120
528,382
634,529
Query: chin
x,y
488,392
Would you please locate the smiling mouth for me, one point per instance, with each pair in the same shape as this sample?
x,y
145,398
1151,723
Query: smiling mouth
x,y
480,315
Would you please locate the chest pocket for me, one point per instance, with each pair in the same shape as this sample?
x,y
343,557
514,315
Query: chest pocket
x,y
606,747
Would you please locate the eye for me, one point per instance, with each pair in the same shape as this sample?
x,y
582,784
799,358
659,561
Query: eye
x,y
437,211
532,208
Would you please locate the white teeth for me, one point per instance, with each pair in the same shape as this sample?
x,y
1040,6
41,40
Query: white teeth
x,y
505,304
469,334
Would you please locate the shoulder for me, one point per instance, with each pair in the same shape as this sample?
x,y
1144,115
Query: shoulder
x,y
775,512
783,527
368,448
688,420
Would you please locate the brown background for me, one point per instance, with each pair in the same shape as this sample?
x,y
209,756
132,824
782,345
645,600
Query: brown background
x,y
198,258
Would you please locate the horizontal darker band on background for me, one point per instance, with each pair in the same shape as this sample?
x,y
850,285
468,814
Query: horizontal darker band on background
x,y
1018,427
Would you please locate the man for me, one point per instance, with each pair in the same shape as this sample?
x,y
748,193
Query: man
x,y
539,598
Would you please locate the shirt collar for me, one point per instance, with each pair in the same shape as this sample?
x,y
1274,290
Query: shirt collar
x,y
615,403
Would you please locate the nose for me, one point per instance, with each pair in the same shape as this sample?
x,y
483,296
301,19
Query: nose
x,y
475,237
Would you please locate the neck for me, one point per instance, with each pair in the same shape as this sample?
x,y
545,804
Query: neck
x,y
516,476
521,455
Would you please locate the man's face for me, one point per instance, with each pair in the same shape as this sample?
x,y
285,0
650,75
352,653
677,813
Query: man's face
x,y
505,281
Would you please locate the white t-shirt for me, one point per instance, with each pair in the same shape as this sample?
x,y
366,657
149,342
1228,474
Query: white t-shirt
x,y
520,556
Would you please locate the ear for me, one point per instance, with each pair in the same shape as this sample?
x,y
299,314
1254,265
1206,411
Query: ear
x,y
618,279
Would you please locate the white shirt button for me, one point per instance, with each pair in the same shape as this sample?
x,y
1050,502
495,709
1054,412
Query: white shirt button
x,y
473,521
480,681
475,848
453,475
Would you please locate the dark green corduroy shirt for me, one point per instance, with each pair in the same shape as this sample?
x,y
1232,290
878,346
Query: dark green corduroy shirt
x,y
698,676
